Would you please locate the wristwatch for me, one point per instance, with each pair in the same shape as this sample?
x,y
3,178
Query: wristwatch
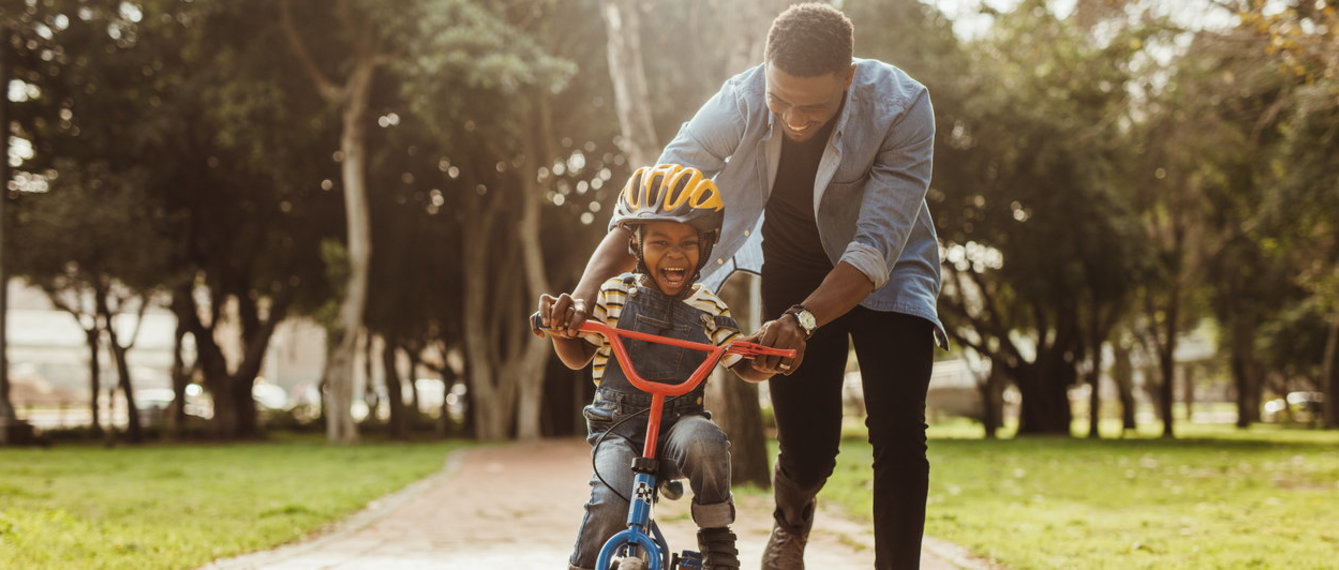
x,y
807,322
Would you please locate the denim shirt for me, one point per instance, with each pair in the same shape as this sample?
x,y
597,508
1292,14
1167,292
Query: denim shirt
x,y
869,194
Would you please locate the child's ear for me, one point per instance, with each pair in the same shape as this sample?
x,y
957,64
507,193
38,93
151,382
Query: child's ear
x,y
632,245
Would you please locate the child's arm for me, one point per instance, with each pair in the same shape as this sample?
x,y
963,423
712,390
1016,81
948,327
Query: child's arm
x,y
744,368
575,353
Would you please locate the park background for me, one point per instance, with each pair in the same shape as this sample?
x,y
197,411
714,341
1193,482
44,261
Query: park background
x,y
218,211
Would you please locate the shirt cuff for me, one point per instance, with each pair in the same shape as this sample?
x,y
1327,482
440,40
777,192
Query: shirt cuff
x,y
869,261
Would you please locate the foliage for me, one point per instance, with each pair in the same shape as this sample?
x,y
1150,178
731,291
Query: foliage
x,y
1032,203
1097,174
182,506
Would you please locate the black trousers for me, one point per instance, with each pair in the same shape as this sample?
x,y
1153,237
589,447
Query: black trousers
x,y
896,355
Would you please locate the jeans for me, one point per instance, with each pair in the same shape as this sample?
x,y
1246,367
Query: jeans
x,y
896,354
691,446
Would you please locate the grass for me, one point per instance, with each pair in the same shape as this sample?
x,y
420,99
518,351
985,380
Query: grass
x,y
1216,497
181,506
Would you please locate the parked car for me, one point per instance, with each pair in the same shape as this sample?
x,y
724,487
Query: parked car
x,y
1304,407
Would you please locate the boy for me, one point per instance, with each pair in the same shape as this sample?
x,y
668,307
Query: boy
x,y
674,214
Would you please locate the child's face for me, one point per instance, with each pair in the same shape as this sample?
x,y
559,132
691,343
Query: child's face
x,y
670,251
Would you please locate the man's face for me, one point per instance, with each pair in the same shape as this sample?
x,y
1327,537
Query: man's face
x,y
670,251
805,104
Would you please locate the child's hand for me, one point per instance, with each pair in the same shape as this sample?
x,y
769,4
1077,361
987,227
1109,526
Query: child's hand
x,y
563,315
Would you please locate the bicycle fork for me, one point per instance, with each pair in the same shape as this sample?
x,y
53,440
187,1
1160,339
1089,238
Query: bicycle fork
x,y
625,545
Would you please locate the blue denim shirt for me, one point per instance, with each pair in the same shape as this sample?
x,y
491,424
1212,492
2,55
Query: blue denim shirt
x,y
869,194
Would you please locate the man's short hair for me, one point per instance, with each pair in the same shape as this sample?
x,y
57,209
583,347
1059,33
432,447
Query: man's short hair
x,y
811,39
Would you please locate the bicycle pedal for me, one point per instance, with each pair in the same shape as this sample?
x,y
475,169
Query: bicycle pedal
x,y
690,559
672,490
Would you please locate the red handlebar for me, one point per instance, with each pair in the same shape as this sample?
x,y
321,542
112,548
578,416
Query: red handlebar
x,y
714,354
658,390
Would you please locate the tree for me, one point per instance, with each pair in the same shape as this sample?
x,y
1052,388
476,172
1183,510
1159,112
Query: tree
x,y
351,98
252,210
7,415
624,32
97,263
94,232
485,70
1033,213
1299,39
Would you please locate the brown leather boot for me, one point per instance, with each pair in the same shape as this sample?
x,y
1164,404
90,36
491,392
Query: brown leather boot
x,y
718,548
793,518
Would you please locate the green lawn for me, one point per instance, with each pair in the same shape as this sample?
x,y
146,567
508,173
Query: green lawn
x,y
180,506
1216,497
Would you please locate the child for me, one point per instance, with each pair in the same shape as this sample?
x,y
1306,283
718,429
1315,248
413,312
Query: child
x,y
674,214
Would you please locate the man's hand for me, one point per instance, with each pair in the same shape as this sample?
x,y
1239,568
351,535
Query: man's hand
x,y
784,333
563,315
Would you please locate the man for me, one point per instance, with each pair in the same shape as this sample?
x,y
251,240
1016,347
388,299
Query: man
x,y
827,159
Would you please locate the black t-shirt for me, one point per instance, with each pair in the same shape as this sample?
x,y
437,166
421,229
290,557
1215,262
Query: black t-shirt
x,y
793,256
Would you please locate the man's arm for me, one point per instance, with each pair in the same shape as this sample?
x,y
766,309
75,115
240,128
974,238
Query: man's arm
x,y
611,258
841,290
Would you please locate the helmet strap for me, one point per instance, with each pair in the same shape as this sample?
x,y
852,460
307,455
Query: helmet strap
x,y
635,248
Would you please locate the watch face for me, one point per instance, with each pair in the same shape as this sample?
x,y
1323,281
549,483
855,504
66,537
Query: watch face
x,y
807,321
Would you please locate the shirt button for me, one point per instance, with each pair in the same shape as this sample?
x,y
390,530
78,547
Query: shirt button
x,y
746,233
720,261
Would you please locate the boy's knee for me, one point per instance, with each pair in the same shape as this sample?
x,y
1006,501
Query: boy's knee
x,y
707,444
715,514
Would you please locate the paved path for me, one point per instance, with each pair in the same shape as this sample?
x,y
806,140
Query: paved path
x,y
516,506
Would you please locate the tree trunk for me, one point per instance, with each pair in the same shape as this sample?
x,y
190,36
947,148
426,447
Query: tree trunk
x,y
352,98
353,146
1167,389
370,396
412,353
491,395
1330,374
394,393
8,416
1243,381
134,431
734,402
751,20
234,408
631,95
1122,371
92,336
337,397
534,352
1167,360
992,400
1045,406
180,378
1188,390
1095,395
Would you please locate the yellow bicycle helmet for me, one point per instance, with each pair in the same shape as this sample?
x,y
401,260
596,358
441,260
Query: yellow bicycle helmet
x,y
672,193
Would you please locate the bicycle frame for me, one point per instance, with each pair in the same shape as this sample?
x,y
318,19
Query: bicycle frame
x,y
644,483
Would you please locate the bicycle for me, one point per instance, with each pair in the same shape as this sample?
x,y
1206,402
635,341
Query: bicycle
x,y
642,545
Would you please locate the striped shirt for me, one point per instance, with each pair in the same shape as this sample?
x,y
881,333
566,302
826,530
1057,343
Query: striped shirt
x,y
609,307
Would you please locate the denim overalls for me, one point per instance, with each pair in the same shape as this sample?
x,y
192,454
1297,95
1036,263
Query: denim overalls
x,y
691,445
